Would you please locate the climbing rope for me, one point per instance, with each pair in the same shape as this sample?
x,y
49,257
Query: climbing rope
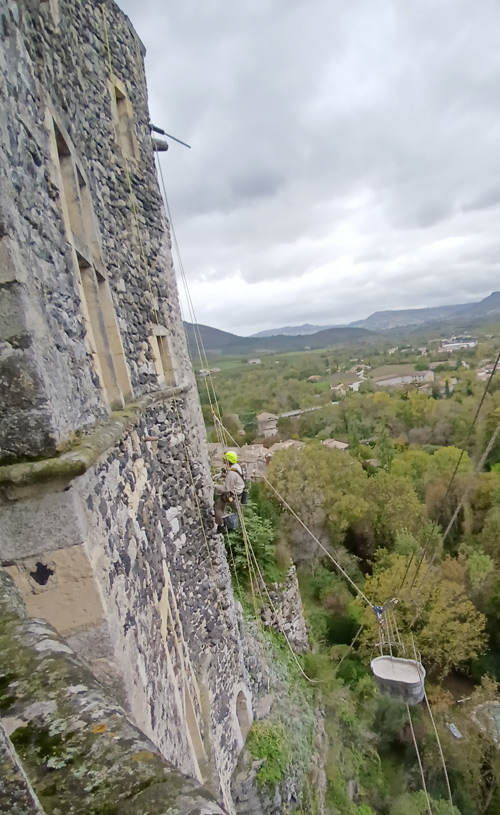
x,y
285,503
435,523
396,630
249,552
417,751
233,563
270,601
209,384
460,504
438,740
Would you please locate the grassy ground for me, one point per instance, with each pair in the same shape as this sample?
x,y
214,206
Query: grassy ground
x,y
224,363
399,369
343,378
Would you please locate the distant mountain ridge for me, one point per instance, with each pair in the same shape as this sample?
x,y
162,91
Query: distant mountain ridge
x,y
453,317
461,313
294,330
221,342
487,309
384,320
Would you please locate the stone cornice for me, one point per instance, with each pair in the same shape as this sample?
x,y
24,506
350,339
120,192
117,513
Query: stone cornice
x,y
89,448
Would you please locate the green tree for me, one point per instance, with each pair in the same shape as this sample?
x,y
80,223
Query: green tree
x,y
392,506
489,539
413,464
384,448
262,536
484,496
325,488
479,568
449,632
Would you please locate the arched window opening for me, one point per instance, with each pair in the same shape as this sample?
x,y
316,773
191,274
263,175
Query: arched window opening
x,y
243,714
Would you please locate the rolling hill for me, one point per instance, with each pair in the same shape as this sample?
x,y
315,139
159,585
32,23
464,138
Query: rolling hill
x,y
402,318
221,342
444,318
487,310
293,330
461,314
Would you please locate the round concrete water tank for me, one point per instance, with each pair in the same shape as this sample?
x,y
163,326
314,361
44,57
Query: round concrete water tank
x,y
399,678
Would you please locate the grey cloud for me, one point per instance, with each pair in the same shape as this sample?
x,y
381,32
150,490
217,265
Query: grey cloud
x,y
327,134
484,200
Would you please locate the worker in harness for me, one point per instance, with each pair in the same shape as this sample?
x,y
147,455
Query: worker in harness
x,y
233,488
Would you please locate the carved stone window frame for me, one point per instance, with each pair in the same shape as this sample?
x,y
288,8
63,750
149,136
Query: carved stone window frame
x,y
123,119
103,337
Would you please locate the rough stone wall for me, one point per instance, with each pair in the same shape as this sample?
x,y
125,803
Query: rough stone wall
x,y
140,592
116,559
286,614
56,66
65,745
279,699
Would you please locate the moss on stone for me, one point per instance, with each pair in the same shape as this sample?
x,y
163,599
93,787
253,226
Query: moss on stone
x,y
38,739
269,742
7,697
84,451
6,701
79,751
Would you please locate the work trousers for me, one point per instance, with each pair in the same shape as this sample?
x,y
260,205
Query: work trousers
x,y
220,506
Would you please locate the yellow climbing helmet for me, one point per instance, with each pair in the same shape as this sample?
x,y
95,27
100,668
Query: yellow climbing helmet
x,y
231,457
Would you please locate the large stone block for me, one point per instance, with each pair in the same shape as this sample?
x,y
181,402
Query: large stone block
x,y
59,587
40,520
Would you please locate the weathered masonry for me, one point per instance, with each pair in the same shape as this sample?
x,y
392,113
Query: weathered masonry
x,y
105,493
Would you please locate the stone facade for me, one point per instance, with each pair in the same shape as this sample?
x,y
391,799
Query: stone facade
x,y
286,614
106,524
65,745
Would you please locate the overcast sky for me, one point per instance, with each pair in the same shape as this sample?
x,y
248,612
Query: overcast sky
x,y
345,155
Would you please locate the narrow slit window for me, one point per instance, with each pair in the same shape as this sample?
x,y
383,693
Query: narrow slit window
x,y
70,187
103,336
193,729
124,122
113,336
243,714
103,357
163,359
88,225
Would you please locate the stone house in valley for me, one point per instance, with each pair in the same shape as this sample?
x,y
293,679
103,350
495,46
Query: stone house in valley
x,y
405,379
267,425
334,444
